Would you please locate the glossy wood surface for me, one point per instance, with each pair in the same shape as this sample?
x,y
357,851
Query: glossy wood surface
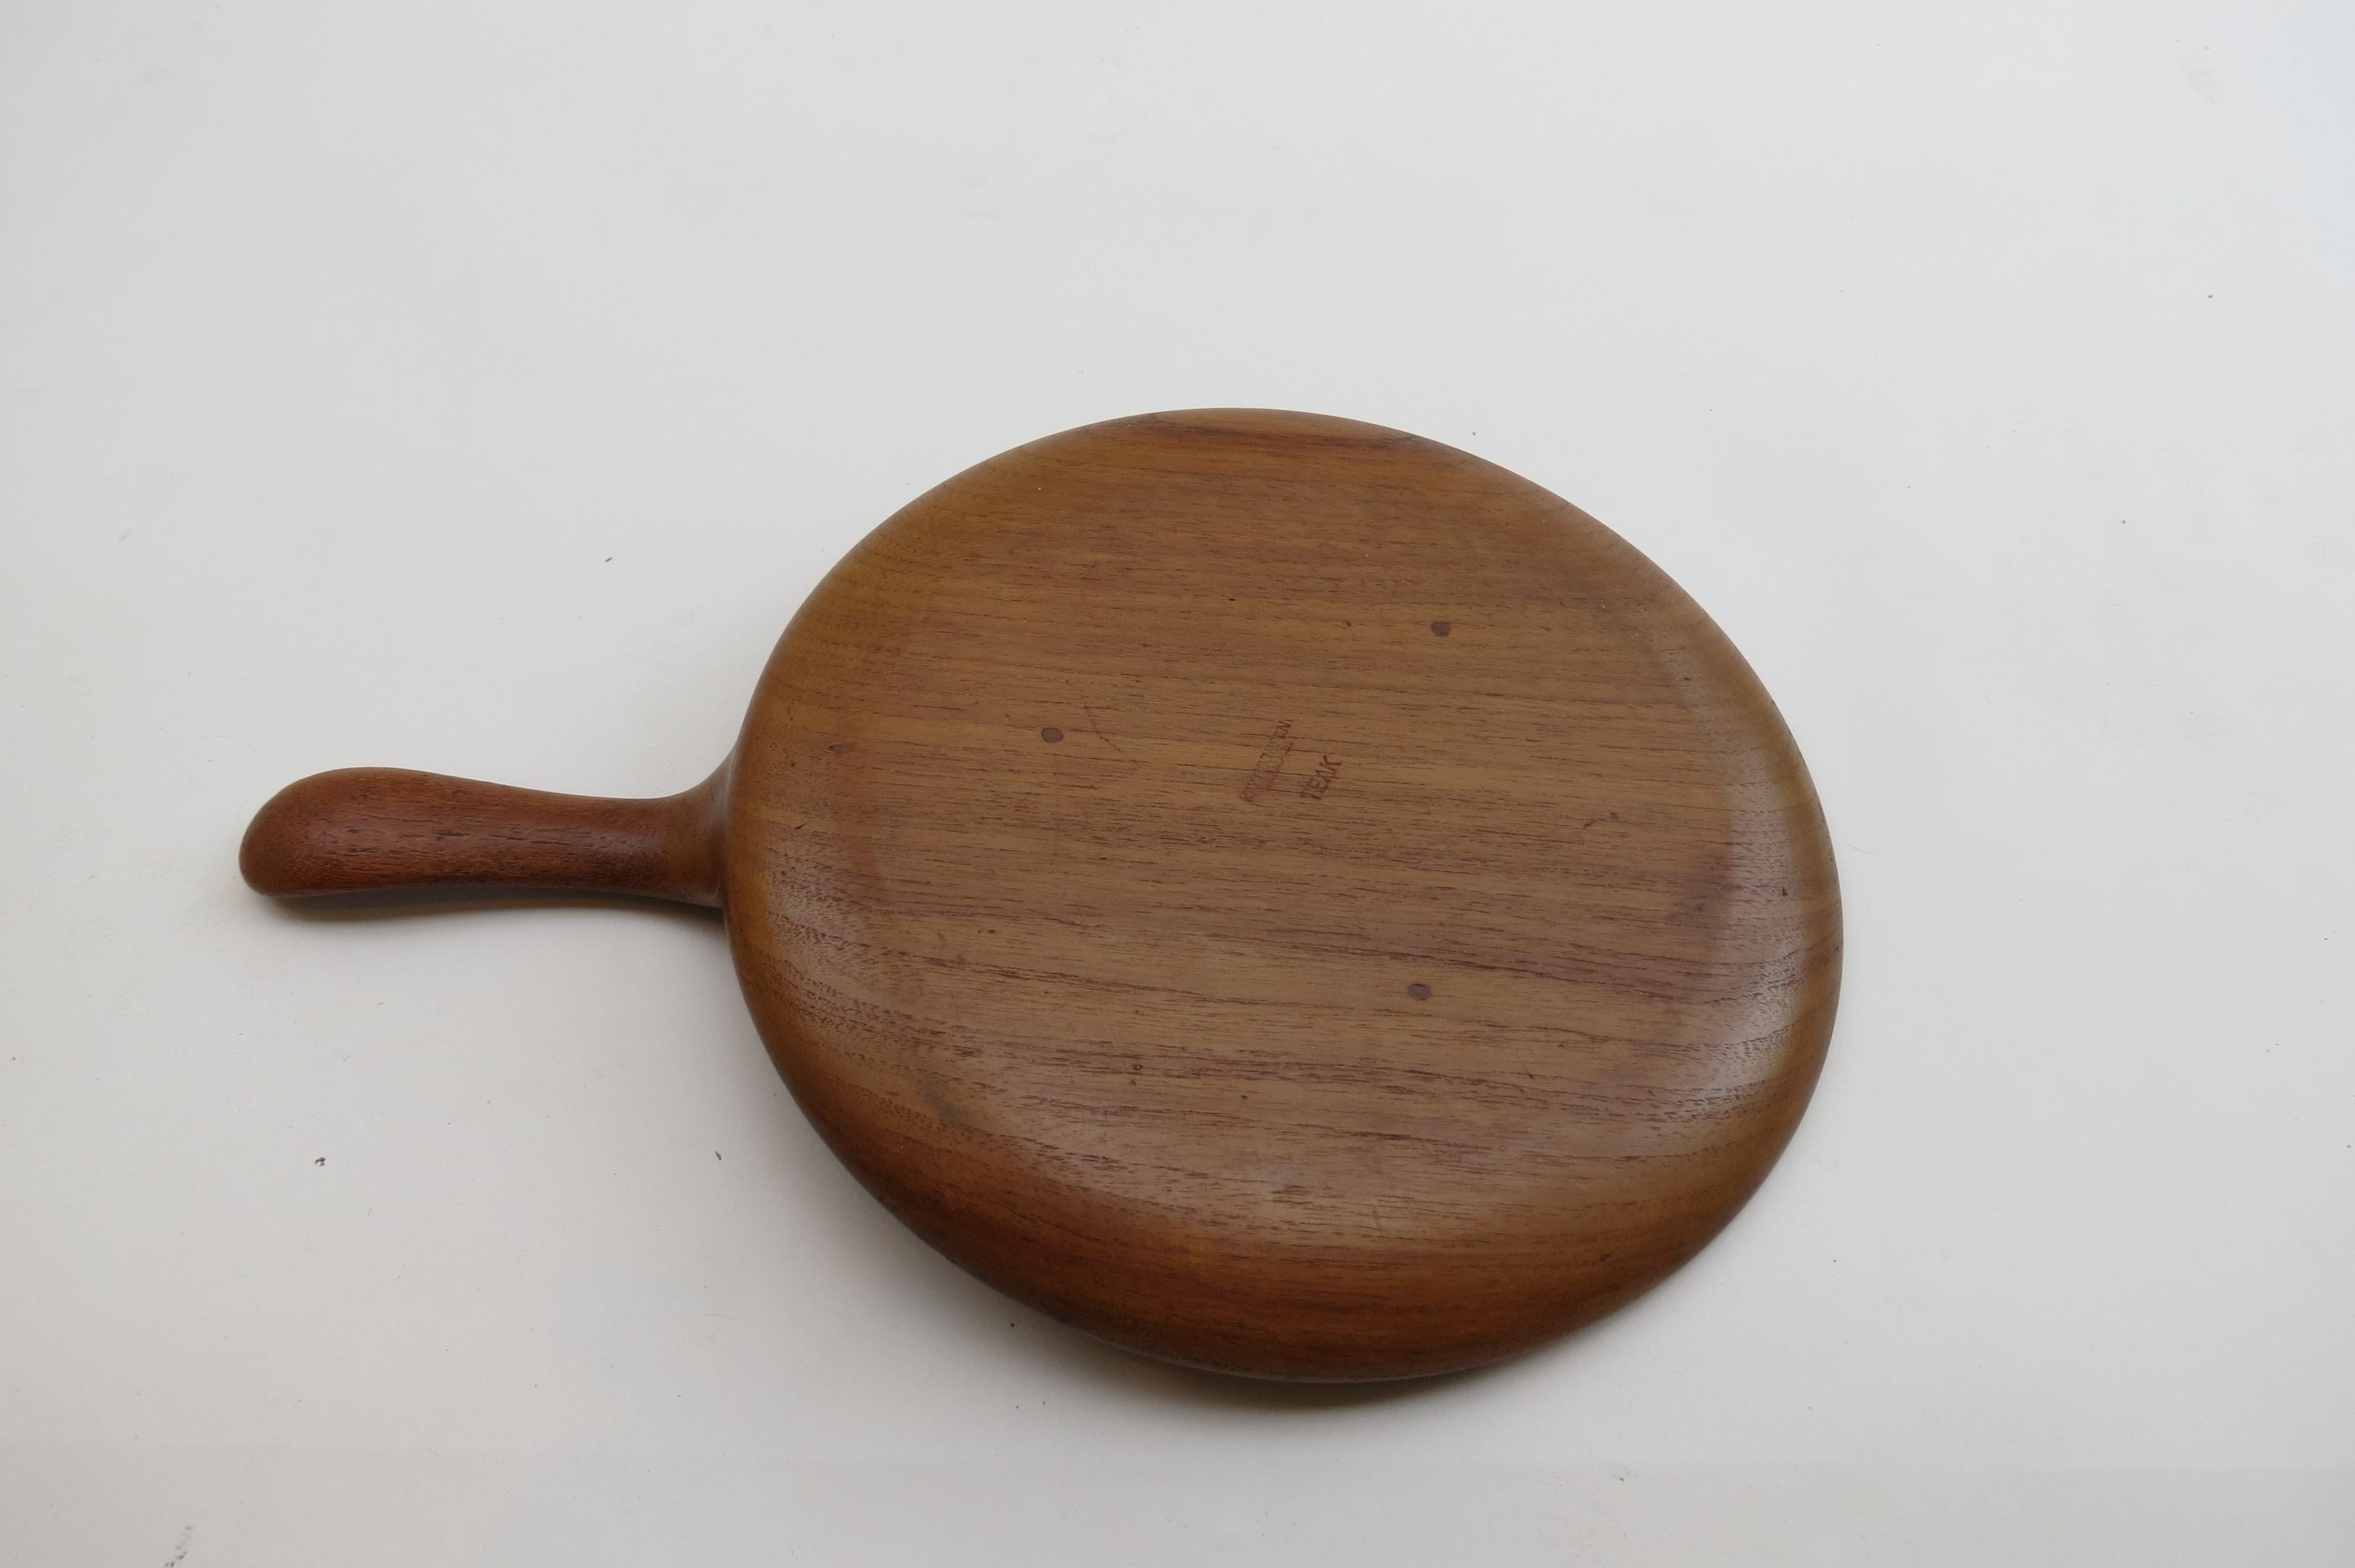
x,y
1279,893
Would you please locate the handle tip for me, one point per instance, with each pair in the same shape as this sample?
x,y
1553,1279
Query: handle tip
x,y
291,849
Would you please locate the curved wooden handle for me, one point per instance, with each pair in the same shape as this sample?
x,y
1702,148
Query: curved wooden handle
x,y
377,829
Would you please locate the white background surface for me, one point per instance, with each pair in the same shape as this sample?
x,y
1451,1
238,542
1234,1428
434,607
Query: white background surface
x,y
480,387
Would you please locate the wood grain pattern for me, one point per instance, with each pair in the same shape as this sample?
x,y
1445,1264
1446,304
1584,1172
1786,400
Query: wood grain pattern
x,y
1282,894
375,830
1279,893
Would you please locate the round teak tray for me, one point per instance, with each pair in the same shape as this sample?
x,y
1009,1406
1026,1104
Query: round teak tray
x,y
1279,893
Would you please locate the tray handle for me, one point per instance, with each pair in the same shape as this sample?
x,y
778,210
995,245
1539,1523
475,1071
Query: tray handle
x,y
367,829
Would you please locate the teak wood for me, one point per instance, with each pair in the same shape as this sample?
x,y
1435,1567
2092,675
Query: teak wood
x,y
1279,893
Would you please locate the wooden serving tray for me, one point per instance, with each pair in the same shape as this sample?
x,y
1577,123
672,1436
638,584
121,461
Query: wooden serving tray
x,y
1276,892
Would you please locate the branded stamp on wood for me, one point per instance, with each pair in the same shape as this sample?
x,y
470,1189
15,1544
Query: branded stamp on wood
x,y
1272,759
1313,787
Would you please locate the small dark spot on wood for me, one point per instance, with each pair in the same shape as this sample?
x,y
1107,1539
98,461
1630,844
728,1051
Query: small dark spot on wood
x,y
1050,734
840,747
1420,991
1442,628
